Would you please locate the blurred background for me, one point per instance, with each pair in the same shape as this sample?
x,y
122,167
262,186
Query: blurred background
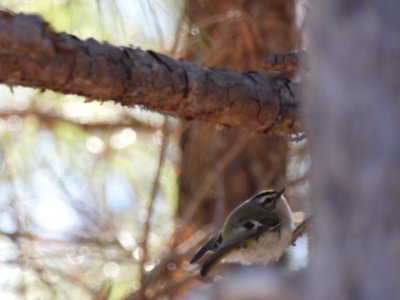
x,y
99,201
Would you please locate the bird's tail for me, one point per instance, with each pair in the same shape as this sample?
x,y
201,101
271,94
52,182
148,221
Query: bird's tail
x,y
214,258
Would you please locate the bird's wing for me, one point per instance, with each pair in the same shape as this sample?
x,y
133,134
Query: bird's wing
x,y
211,245
236,241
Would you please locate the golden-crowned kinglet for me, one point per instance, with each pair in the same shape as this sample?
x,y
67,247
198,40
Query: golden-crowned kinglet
x,y
256,232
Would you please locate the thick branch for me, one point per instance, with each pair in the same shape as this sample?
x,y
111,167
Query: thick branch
x,y
32,54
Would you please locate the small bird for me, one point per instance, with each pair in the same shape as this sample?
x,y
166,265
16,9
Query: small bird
x,y
256,232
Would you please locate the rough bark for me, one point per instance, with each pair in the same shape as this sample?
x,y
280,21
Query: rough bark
x,y
32,54
353,123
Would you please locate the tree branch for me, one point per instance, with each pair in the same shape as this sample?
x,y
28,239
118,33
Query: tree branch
x,y
150,210
33,55
301,229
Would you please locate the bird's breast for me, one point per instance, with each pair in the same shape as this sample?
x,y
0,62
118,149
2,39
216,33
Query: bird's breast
x,y
267,248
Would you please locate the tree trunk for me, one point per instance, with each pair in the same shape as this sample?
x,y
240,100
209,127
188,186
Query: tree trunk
x,y
237,35
354,119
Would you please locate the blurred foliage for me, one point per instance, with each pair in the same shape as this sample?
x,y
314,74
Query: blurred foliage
x,y
144,23
75,177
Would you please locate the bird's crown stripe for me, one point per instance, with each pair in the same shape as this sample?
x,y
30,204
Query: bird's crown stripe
x,y
267,192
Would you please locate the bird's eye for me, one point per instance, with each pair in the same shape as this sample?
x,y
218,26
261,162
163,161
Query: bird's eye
x,y
248,225
265,199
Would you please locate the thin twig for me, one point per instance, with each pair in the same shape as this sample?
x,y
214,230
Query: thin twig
x,y
146,226
301,229
75,239
66,276
187,247
42,277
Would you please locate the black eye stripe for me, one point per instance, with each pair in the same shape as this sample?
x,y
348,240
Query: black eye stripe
x,y
268,199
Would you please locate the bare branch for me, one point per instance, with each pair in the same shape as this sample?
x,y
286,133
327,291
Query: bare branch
x,y
32,54
301,229
146,227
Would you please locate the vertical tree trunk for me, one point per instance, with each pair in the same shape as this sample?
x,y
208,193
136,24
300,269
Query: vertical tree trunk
x,y
354,119
237,35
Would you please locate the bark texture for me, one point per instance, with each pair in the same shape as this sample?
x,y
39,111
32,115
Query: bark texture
x,y
354,119
32,54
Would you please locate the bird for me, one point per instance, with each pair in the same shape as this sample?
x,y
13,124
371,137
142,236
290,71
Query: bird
x,y
256,232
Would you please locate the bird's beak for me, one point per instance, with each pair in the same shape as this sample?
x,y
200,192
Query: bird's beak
x,y
280,193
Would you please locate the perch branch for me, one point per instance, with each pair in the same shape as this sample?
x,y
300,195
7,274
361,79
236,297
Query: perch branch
x,y
301,229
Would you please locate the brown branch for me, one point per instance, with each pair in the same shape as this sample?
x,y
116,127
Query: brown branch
x,y
146,226
301,229
32,54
